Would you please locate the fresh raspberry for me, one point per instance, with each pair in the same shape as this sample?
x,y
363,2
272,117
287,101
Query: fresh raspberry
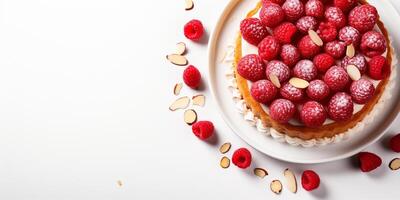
x,y
350,35
313,114
253,31
368,161
358,60
271,15
251,67
305,69
290,55
362,91
193,30
314,8
363,18
285,32
327,31
335,16
336,78
310,180
269,48
345,5
279,2
279,69
335,48
394,143
291,93
282,110
192,77
373,44
323,62
318,90
241,158
307,47
293,9
203,129
306,23
263,91
378,68
340,107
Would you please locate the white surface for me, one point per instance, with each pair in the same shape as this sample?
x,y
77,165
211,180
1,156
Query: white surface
x,y
79,111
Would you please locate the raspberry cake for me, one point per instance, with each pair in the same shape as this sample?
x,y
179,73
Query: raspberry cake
x,y
311,71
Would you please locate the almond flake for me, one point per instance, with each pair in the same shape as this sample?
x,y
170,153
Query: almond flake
x,y
180,48
315,38
225,162
274,79
189,4
199,100
180,103
177,88
353,72
190,116
276,186
394,164
225,148
260,172
177,59
350,51
290,180
299,83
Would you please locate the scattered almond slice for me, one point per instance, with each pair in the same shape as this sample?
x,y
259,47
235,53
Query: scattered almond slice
x,y
299,83
119,183
177,88
225,148
225,162
394,164
180,48
353,72
276,186
350,51
180,103
290,180
199,100
260,172
190,116
177,59
274,79
189,4
315,38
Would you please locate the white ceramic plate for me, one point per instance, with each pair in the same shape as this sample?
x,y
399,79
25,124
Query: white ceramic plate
x,y
224,34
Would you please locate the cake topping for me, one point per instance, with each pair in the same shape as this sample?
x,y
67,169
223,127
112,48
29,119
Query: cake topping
x,y
253,31
313,114
279,69
349,35
275,80
271,15
353,72
279,2
293,9
299,83
269,48
315,38
282,110
378,68
336,78
318,90
358,60
335,16
340,107
363,18
323,62
350,51
251,67
362,91
327,31
345,5
291,93
305,69
290,55
307,47
335,48
263,91
373,44
285,32
306,23
314,8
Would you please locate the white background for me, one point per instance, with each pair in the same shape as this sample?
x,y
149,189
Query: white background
x,y
84,95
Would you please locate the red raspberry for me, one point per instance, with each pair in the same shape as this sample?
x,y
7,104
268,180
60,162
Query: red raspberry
x,y
358,60
290,55
313,114
395,143
373,43
362,91
314,8
350,35
271,15
318,90
263,91
193,30
340,107
241,158
368,161
293,9
305,69
336,78
279,69
279,2
335,16
335,48
310,180
192,77
306,23
291,93
285,32
378,68
251,67
269,48
282,110
327,31
345,5
253,31
307,47
323,62
363,18
203,129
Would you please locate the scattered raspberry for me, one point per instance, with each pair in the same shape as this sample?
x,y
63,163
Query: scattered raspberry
x,y
253,31
279,2
358,60
363,18
335,48
203,129
340,107
305,69
345,5
192,77
269,48
378,68
323,62
327,31
241,158
313,114
282,110
336,78
290,55
395,143
285,32
279,69
362,91
350,35
335,16
293,9
373,44
314,8
251,67
310,180
368,161
318,90
263,91
193,30
308,48
306,23
291,93
271,15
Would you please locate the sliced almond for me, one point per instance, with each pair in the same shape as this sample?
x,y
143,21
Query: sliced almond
x,y
276,186
225,162
260,172
119,183
394,164
290,180
350,51
190,116
177,88
180,103
275,80
225,148
199,100
177,59
315,38
180,48
299,83
189,4
353,72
